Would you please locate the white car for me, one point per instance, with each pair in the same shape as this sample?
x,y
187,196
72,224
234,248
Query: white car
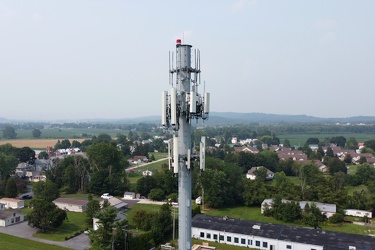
x,y
106,196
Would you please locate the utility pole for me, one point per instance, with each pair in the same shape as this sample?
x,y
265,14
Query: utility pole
x,y
179,108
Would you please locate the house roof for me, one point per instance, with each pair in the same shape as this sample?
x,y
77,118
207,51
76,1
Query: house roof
x,y
327,239
253,169
7,213
73,201
10,200
117,203
323,207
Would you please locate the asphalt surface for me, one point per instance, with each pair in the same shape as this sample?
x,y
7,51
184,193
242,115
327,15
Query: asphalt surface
x,y
22,230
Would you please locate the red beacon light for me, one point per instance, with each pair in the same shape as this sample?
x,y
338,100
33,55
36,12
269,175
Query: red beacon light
x,y
178,41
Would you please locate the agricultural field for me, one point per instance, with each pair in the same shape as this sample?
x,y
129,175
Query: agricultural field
x,y
65,133
34,143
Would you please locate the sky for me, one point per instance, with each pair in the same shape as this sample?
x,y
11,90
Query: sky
x,y
87,59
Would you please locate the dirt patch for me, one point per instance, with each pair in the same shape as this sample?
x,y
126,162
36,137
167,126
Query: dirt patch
x,y
34,143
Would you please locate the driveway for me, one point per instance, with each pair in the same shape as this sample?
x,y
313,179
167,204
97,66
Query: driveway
x,y
23,230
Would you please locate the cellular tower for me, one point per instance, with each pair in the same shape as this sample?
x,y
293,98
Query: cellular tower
x,y
179,107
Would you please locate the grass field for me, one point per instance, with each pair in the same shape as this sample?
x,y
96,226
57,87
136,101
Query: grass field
x,y
34,143
74,224
136,207
9,242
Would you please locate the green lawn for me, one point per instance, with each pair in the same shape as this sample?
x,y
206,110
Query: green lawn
x,y
158,155
9,242
153,165
253,213
133,209
75,223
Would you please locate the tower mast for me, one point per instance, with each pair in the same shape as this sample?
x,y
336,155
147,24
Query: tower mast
x,y
183,104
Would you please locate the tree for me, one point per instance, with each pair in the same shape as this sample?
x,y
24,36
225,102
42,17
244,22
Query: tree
x,y
352,143
339,141
156,194
11,188
312,216
45,215
336,165
370,144
162,224
254,192
9,132
37,133
93,206
102,237
261,173
7,165
103,137
307,174
26,154
312,140
329,152
286,143
43,155
46,191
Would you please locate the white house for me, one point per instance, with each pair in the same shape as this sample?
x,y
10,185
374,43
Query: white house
x,y
358,213
129,195
12,203
326,208
260,235
10,217
71,204
251,173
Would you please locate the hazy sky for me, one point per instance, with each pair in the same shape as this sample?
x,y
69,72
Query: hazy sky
x,y
109,59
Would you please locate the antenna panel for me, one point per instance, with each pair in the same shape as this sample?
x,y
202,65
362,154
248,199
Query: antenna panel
x,y
188,162
164,103
175,154
202,153
173,106
193,102
206,103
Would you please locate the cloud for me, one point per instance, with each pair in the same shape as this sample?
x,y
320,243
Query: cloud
x,y
328,37
36,16
326,28
6,13
325,24
241,5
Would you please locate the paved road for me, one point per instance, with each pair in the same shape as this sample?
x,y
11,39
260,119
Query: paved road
x,y
23,230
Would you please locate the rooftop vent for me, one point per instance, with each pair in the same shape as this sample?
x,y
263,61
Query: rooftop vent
x,y
256,227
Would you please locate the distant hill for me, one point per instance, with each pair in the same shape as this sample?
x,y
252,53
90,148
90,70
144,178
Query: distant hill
x,y
227,119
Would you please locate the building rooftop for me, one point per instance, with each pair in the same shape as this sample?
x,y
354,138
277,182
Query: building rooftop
x,y
327,239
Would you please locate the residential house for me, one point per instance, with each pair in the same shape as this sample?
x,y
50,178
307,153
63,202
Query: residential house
x,y
358,213
252,176
117,203
36,176
139,159
10,217
327,209
12,203
71,204
260,235
246,149
129,196
22,168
